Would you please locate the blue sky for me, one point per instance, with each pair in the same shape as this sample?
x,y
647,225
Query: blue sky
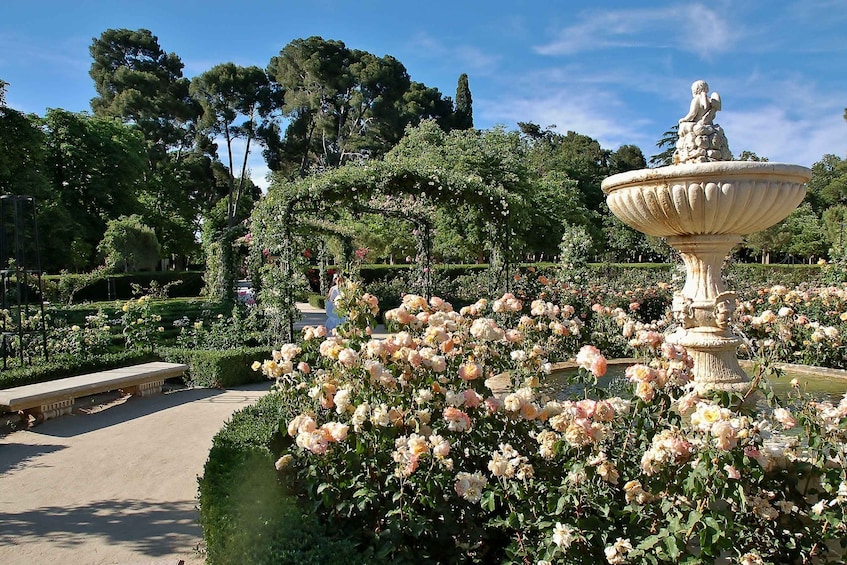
x,y
619,72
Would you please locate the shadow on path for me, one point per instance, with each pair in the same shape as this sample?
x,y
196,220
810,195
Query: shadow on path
x,y
15,455
151,528
130,409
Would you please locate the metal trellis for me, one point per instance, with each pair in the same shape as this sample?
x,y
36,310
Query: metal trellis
x,y
24,327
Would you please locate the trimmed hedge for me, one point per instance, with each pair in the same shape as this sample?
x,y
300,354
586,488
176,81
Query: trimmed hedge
x,y
65,366
247,516
192,285
742,275
219,368
170,310
317,300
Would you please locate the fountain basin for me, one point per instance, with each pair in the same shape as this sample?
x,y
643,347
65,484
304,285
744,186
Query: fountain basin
x,y
725,197
703,209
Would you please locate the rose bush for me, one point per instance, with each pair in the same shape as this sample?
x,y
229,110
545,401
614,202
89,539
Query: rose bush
x,y
799,325
436,444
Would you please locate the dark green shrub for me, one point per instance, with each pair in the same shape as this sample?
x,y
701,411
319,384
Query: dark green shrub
x,y
130,245
740,276
86,287
70,366
317,300
219,368
246,514
388,291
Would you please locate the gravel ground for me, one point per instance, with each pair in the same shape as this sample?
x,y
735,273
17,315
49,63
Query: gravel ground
x,y
115,482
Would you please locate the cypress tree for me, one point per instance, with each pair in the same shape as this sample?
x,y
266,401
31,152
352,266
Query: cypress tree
x,y
464,104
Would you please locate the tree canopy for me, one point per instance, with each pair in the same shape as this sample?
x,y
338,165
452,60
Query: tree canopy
x,y
343,104
464,104
170,150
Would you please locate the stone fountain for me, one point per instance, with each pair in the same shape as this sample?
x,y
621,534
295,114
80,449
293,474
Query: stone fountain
x,y
703,205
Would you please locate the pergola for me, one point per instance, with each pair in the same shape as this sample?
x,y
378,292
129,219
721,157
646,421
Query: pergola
x,y
391,188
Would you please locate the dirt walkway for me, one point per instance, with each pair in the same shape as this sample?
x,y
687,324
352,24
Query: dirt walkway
x,y
115,486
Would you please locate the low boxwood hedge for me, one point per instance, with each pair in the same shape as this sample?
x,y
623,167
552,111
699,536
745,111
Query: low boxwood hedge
x,y
209,368
218,368
317,300
118,286
68,366
247,516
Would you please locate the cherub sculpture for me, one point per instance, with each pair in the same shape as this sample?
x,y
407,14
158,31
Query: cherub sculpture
x,y
703,108
700,139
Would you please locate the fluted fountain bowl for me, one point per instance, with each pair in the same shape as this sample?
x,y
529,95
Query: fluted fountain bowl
x,y
725,197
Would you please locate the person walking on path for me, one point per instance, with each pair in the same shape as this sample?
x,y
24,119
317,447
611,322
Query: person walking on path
x,y
332,317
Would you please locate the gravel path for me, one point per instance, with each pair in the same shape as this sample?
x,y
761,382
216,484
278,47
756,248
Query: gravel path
x,y
118,485
116,482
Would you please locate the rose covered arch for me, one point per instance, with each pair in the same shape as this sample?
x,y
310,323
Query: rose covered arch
x,y
392,187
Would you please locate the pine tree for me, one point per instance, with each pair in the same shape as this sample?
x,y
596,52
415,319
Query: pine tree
x,y
464,104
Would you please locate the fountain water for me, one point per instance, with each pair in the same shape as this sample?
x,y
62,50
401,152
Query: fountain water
x,y
703,205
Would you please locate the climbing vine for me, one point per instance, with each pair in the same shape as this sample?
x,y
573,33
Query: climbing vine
x,y
410,183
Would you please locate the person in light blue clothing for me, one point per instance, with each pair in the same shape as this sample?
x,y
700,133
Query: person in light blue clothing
x,y
332,318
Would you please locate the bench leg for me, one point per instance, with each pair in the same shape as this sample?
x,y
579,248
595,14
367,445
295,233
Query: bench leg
x,y
145,389
51,410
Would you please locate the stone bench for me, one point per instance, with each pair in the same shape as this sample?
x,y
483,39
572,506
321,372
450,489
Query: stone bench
x,y
55,398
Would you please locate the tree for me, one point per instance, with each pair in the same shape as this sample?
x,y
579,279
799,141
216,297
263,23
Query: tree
x,y
386,237
343,105
832,223
23,171
775,239
750,156
583,160
668,146
627,158
22,168
319,83
3,85
96,166
801,234
464,104
129,245
555,204
227,92
136,80
808,238
624,244
828,185
141,84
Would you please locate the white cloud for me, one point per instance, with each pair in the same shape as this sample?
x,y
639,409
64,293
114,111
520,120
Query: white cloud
x,y
257,168
470,58
770,132
786,118
653,27
595,112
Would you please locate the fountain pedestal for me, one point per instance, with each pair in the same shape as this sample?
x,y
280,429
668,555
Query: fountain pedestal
x,y
703,309
703,210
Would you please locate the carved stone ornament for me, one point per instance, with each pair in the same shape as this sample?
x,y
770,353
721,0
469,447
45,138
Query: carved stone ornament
x,y
703,206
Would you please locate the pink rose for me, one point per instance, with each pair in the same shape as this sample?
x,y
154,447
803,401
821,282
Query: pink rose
x,y
590,359
472,399
457,421
470,371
